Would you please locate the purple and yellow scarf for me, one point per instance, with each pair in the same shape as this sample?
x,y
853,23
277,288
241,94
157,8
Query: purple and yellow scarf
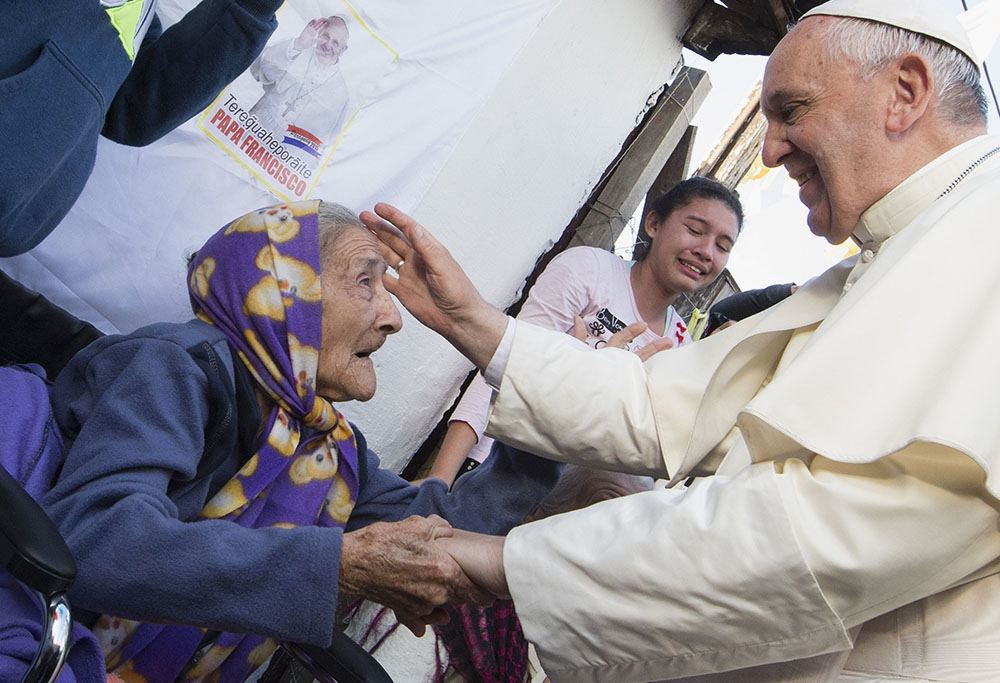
x,y
258,281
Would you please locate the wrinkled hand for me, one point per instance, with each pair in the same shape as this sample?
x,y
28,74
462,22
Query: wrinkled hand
x,y
481,557
433,287
403,566
625,336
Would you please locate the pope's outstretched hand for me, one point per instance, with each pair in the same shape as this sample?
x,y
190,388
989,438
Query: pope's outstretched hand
x,y
433,287
481,558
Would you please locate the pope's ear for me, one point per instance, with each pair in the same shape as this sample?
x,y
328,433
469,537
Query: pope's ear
x,y
912,89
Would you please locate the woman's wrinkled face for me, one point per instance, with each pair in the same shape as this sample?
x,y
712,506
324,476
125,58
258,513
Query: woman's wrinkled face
x,y
358,315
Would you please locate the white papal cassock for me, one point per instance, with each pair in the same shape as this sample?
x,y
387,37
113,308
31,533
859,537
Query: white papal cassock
x,y
854,514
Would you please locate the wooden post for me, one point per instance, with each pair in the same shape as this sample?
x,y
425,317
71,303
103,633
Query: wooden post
x,y
638,167
674,171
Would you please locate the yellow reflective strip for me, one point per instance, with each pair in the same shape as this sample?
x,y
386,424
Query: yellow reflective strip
x,y
125,19
696,324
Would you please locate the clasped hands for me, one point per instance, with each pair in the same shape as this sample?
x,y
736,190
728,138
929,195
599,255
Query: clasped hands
x,y
419,564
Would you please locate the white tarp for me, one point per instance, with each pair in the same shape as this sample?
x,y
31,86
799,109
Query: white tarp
x,y
377,125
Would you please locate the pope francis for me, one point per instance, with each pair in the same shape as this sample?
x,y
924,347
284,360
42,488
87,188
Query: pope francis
x,y
846,523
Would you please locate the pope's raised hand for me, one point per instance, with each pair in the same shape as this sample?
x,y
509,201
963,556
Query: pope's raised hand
x,y
309,35
481,557
431,284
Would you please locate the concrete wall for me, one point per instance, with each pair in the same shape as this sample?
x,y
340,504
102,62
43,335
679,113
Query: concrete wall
x,y
524,167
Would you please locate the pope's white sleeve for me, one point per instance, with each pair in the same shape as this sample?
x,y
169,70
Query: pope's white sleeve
x,y
774,563
561,292
494,371
563,400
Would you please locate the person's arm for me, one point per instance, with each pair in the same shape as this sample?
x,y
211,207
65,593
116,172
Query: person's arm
x,y
433,287
780,560
458,442
491,499
138,409
178,72
465,430
481,557
552,379
616,429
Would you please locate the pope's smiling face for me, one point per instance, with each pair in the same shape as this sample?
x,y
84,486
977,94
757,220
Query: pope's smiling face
x,y
358,315
826,127
332,40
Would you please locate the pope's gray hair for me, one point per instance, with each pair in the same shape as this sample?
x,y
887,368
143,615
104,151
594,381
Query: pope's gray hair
x,y
872,45
333,220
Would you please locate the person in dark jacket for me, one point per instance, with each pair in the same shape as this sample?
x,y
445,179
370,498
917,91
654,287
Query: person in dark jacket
x,y
73,71
216,500
736,307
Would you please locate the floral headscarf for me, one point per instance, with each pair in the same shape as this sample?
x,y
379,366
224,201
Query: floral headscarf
x,y
258,281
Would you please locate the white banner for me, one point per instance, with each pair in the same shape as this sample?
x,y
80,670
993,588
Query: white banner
x,y
282,119
351,101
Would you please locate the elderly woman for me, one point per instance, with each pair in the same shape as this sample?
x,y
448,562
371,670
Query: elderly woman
x,y
211,490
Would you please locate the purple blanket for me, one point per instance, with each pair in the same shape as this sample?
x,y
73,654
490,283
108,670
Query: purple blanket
x,y
31,450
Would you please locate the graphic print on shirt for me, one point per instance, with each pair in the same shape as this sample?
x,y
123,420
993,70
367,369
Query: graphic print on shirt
x,y
284,117
601,325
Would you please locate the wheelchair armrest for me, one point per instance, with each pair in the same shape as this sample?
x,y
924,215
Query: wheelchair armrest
x,y
31,547
344,661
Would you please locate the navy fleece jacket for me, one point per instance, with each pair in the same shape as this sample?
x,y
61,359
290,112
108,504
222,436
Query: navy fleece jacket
x,y
153,427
